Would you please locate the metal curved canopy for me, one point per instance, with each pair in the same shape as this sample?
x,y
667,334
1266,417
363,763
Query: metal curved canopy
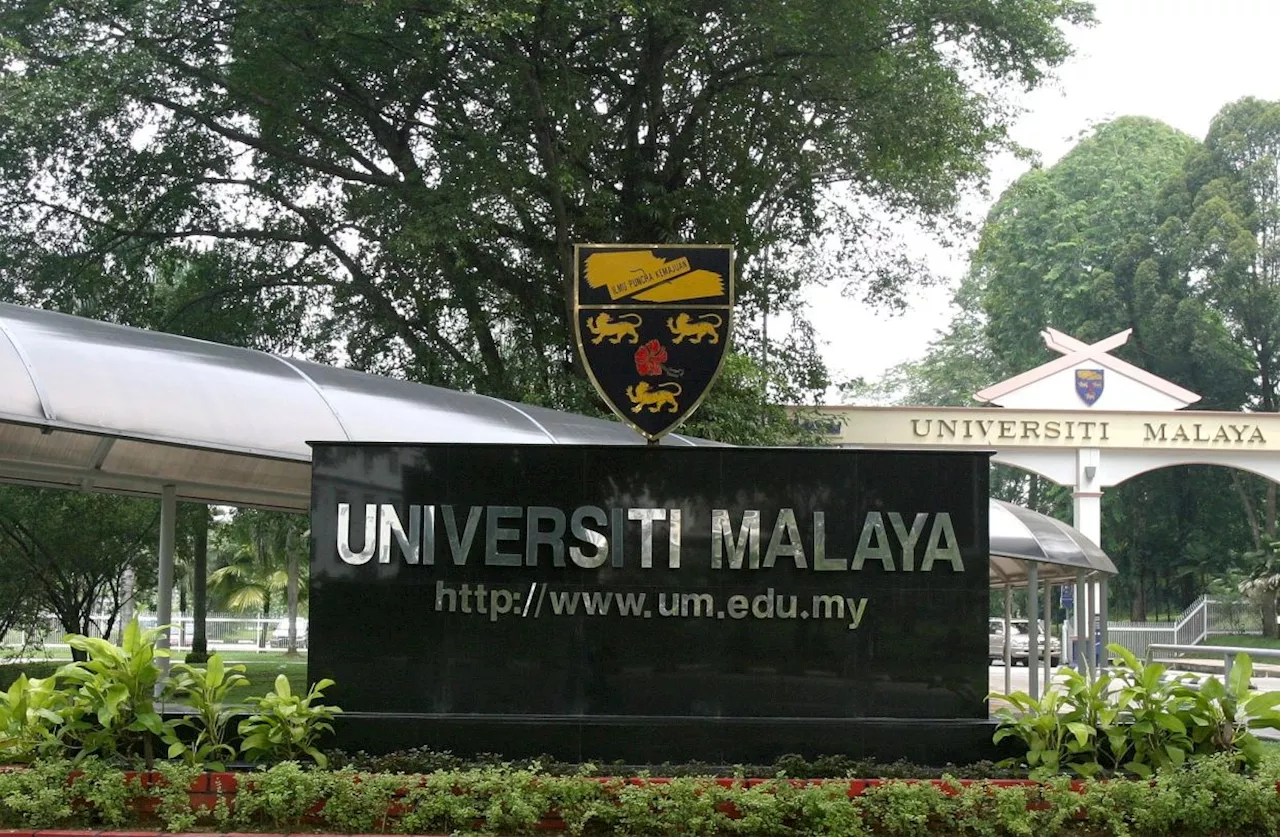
x,y
1019,535
92,405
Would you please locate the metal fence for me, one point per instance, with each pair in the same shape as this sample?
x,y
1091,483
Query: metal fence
x,y
222,631
1202,618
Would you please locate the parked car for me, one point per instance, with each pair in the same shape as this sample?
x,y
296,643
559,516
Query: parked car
x,y
1019,642
280,636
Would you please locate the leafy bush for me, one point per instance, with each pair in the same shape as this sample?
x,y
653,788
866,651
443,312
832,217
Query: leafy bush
x,y
1231,711
1135,718
1051,728
104,707
791,766
10,672
285,726
206,690
1206,798
1156,715
112,707
31,712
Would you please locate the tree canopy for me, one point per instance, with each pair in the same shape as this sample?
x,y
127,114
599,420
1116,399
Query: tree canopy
x,y
75,552
1222,218
397,184
1093,245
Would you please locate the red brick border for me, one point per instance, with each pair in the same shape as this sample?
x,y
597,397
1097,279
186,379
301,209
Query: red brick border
x,y
208,788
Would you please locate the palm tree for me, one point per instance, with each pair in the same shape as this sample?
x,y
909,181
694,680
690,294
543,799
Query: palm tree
x,y
257,564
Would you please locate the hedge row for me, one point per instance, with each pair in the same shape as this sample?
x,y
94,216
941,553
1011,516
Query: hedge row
x,y
1205,799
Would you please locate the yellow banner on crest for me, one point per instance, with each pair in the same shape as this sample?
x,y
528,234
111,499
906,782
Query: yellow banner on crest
x,y
640,274
630,272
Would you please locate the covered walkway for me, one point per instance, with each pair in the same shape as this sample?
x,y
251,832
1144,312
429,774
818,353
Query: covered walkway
x,y
94,406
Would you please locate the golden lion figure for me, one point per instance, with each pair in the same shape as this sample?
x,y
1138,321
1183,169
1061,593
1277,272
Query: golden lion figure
x,y
643,395
684,326
602,325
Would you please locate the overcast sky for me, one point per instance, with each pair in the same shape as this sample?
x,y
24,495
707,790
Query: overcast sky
x,y
1178,61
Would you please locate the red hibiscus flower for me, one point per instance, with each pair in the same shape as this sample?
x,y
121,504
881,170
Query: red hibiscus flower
x,y
650,357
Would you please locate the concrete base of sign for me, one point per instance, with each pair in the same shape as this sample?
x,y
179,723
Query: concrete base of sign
x,y
658,740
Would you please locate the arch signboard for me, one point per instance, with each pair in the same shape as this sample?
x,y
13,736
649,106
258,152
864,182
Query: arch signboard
x,y
1085,419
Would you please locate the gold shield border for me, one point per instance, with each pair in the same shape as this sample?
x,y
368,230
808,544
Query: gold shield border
x,y
577,328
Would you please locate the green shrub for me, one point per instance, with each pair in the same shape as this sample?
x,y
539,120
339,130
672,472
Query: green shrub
x,y
285,726
1207,798
10,672
359,803
31,713
280,797
792,766
1135,718
1231,712
207,691
1053,731
104,707
36,797
112,706
1158,714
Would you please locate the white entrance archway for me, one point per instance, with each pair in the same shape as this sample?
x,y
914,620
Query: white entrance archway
x,y
1086,420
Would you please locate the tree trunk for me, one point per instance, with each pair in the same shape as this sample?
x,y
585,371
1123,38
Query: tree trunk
x,y
1271,510
127,601
199,591
1269,627
266,616
292,592
74,622
1139,599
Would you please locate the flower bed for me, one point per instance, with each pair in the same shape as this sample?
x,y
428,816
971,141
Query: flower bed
x,y
1211,773
1206,798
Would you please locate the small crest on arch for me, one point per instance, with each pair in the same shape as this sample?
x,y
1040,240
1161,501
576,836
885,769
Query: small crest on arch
x,y
652,324
1089,384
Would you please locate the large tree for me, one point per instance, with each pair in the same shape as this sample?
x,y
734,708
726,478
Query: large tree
x,y
405,179
74,551
1222,219
259,568
1082,246
1076,246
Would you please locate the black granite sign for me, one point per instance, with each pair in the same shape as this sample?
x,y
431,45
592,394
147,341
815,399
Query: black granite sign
x,y
650,602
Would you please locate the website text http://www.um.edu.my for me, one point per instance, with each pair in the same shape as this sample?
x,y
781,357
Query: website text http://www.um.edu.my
x,y
539,600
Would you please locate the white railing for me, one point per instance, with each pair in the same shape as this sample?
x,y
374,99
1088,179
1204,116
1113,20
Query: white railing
x,y
1227,652
1136,636
1203,617
1237,617
222,631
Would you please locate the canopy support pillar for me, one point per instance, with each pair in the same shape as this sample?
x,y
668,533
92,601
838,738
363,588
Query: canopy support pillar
x,y
1008,656
1104,614
1048,632
1033,629
1083,650
164,584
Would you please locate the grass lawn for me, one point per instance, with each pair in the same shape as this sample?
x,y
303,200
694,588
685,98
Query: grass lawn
x,y
261,669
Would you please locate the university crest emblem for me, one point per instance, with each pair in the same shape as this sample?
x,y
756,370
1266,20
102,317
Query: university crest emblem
x,y
652,326
1089,384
